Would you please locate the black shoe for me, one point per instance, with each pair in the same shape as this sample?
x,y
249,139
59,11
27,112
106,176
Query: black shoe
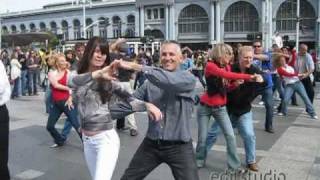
x,y
133,132
269,130
123,128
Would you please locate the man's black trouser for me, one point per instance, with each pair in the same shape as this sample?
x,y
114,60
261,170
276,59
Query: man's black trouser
x,y
309,88
151,153
4,143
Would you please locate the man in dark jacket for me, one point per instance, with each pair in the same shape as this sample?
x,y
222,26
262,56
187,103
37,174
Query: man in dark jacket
x,y
124,76
239,106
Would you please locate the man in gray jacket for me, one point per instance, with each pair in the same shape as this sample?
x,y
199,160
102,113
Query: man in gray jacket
x,y
168,140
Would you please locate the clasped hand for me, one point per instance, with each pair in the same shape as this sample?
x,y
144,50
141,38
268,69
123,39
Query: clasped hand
x,y
110,72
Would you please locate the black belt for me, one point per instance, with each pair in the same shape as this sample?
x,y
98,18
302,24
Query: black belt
x,y
203,104
160,142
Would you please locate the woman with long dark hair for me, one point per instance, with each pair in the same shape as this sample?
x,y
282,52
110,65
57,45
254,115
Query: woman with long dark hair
x,y
94,86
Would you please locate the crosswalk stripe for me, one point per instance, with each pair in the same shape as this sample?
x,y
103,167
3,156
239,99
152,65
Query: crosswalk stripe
x,y
221,148
29,174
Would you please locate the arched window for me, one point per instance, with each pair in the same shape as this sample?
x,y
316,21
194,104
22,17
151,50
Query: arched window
x,y
155,33
5,30
23,28
43,27
53,26
32,27
13,29
287,13
241,17
65,29
89,31
130,32
116,24
76,29
193,19
103,25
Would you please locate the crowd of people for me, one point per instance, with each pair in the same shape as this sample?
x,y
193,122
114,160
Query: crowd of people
x,y
99,82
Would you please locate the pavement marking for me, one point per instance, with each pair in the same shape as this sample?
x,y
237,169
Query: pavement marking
x,y
256,121
222,148
290,107
29,174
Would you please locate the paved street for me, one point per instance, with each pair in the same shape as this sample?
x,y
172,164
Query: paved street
x,y
31,157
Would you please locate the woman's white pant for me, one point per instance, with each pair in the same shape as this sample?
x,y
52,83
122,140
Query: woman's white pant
x,y
101,154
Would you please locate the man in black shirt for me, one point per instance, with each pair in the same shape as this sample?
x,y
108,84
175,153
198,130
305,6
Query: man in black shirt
x,y
24,70
239,106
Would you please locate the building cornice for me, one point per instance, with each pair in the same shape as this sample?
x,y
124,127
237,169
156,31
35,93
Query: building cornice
x,y
76,7
143,3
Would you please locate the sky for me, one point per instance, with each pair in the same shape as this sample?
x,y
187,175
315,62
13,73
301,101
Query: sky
x,y
21,5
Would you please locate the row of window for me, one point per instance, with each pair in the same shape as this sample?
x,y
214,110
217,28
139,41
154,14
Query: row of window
x,y
155,13
240,17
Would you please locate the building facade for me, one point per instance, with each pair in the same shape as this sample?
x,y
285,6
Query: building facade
x,y
187,21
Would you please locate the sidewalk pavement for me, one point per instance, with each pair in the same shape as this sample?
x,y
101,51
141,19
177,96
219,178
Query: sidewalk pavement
x,y
296,154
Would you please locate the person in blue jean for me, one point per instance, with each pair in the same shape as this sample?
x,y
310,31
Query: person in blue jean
x,y
262,60
24,70
61,100
213,103
293,84
33,68
239,107
48,100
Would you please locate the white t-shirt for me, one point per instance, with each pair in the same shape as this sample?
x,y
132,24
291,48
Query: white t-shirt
x,y
290,80
5,89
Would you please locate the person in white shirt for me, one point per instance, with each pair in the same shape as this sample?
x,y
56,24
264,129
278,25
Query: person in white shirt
x,y
277,39
5,92
292,84
15,74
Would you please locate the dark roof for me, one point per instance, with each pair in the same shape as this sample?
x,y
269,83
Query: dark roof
x,y
25,38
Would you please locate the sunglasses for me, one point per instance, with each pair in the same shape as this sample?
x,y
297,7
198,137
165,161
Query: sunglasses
x,y
256,46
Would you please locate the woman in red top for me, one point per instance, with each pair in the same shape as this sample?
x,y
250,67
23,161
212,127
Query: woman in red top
x,y
213,101
61,100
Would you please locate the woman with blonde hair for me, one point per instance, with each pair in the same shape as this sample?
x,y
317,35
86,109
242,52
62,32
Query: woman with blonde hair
x,y
61,99
213,103
292,84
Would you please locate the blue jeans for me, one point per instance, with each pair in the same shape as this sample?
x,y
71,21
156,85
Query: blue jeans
x,y
277,85
246,130
24,80
48,99
67,128
56,109
221,116
298,88
67,125
267,98
16,87
32,82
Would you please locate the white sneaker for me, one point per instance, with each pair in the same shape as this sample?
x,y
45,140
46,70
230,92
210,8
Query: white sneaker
x,y
261,103
314,117
280,114
54,145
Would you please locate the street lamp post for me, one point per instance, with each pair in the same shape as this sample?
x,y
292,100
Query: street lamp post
x,y
84,19
84,3
298,25
0,32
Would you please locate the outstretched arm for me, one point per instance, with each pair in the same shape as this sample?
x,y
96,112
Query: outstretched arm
x,y
213,70
177,81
